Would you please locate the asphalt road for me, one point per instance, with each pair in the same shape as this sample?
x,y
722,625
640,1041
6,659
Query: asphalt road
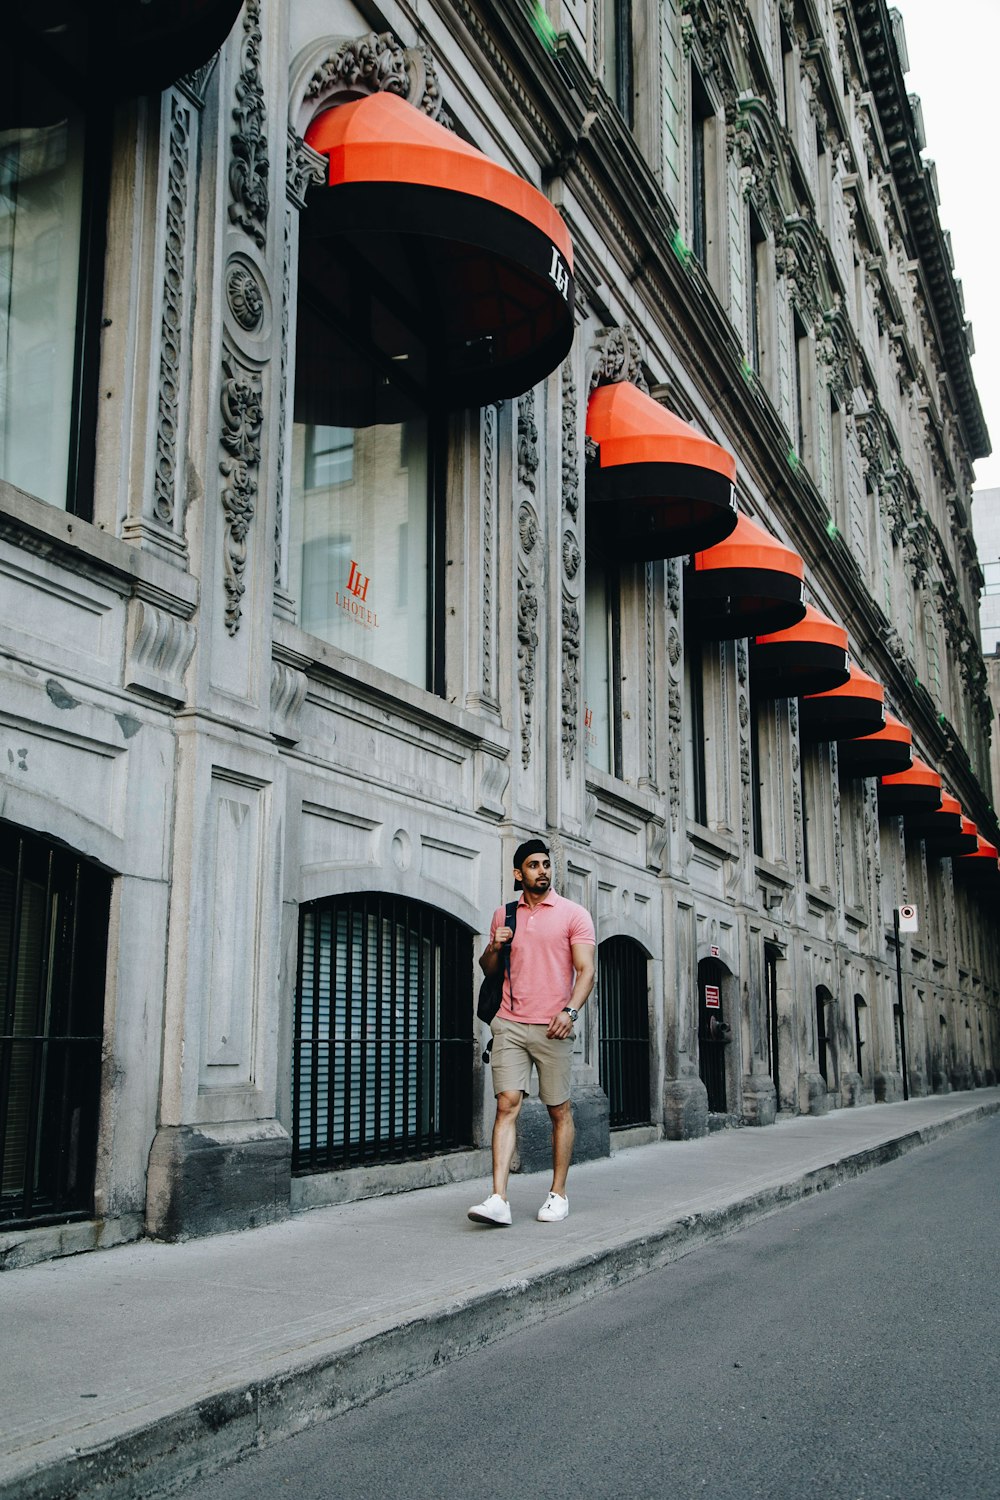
x,y
847,1348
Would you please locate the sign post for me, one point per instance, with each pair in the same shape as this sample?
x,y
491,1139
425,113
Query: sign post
x,y
904,919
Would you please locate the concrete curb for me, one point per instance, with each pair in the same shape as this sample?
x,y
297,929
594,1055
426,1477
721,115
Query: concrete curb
x,y
160,1457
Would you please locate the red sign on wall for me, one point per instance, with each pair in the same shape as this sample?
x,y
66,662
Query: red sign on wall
x,y
712,997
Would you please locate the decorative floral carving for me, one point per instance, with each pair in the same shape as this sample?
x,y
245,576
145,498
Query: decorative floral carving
x,y
527,645
570,554
373,64
570,444
304,167
570,677
249,165
489,434
242,420
619,358
674,645
527,526
527,441
172,325
245,298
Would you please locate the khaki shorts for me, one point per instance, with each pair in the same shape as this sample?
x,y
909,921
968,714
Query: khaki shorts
x,y
516,1045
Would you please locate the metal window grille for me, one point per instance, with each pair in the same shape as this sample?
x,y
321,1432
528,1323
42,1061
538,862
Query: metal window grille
x,y
383,1033
53,947
624,1030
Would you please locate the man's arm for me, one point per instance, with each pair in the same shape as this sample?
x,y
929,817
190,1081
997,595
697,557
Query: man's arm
x,y
583,962
491,957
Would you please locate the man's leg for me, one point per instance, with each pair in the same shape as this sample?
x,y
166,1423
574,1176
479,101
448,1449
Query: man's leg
x,y
563,1135
505,1138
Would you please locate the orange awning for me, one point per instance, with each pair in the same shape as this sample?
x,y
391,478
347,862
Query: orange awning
x,y
947,832
810,657
747,585
435,253
843,713
884,753
657,488
982,866
918,789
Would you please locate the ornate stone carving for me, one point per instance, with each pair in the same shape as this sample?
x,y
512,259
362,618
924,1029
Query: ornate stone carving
x,y
283,432
527,645
675,715
618,358
305,167
570,444
527,441
650,704
797,809
527,620
248,164
489,511
570,554
673,645
242,419
172,324
373,64
245,298
527,526
570,678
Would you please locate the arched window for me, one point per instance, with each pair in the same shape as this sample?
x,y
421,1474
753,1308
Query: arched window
x,y
53,948
623,1001
383,1033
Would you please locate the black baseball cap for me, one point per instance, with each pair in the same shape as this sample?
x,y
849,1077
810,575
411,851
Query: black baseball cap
x,y
527,849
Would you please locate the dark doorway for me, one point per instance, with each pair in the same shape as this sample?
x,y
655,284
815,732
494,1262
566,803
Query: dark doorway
x,y
713,1033
53,951
624,1030
771,957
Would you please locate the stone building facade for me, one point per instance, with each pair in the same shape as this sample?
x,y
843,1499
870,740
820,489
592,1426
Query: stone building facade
x,y
330,611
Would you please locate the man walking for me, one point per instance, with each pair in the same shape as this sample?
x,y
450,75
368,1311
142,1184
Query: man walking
x,y
546,984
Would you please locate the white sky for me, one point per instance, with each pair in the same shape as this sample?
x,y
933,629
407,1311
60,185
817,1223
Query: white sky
x,y
954,48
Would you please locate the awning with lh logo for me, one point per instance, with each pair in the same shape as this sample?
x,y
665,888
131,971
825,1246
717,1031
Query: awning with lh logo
x,y
455,271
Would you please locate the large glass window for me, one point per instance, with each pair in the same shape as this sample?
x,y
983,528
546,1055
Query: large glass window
x,y
41,182
51,260
618,55
368,449
602,666
360,553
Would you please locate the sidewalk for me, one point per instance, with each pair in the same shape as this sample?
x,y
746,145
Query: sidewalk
x,y
125,1372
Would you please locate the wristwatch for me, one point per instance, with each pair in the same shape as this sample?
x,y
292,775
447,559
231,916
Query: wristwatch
x,y
571,1012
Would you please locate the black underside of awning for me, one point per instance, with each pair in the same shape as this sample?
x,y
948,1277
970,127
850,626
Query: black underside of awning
x,y
942,842
879,758
787,669
467,281
648,511
117,49
726,604
893,800
840,718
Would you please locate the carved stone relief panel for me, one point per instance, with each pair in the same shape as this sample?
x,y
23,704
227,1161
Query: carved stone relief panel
x,y
571,569
527,621
249,166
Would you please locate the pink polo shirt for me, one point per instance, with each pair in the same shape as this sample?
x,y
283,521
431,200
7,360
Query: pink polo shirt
x,y
541,959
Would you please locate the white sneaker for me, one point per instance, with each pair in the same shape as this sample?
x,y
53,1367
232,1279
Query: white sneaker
x,y
494,1210
553,1209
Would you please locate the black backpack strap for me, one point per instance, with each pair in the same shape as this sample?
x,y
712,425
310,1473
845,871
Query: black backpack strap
x,y
510,912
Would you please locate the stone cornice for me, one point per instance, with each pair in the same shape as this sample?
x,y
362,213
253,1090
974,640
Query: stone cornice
x,y
913,182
